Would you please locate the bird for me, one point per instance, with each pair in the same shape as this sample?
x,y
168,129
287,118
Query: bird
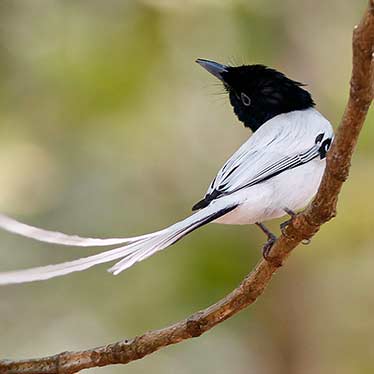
x,y
275,173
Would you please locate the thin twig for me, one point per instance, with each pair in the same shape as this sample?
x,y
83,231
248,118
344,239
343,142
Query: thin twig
x,y
302,227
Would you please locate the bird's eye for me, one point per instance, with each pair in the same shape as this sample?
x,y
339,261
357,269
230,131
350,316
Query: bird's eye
x,y
245,99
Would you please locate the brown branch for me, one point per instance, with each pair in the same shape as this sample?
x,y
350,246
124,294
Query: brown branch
x,y
302,227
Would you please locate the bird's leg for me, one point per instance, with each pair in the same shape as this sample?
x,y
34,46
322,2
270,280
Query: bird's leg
x,y
292,214
270,242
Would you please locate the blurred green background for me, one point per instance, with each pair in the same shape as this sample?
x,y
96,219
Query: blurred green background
x,y
105,122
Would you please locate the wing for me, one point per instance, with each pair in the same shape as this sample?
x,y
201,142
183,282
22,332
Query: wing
x,y
262,157
236,177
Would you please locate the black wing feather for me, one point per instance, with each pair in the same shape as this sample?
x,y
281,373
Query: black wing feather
x,y
267,173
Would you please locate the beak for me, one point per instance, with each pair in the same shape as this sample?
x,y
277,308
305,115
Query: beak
x,y
213,67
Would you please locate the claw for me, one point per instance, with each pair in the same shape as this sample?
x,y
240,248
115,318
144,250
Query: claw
x,y
268,245
270,242
284,224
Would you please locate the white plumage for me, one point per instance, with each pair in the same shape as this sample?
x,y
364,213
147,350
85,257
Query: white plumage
x,y
279,167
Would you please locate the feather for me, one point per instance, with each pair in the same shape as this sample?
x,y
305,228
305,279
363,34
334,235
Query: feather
x,y
129,254
55,237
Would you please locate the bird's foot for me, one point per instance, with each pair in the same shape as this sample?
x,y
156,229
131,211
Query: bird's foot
x,y
268,246
270,242
284,224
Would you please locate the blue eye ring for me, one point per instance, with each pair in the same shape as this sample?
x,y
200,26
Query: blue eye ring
x,y
246,100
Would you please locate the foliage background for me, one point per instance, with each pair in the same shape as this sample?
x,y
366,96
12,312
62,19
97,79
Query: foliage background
x,y
104,122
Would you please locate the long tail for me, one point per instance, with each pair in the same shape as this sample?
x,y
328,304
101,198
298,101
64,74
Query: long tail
x,y
55,237
138,249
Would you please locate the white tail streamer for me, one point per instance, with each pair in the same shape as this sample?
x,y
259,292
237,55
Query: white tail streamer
x,y
55,237
136,250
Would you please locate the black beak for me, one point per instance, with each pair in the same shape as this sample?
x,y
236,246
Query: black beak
x,y
213,67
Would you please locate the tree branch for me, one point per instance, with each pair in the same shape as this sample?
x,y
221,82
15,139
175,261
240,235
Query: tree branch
x,y
302,227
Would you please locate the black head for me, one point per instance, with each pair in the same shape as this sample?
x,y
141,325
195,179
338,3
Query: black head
x,y
258,93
